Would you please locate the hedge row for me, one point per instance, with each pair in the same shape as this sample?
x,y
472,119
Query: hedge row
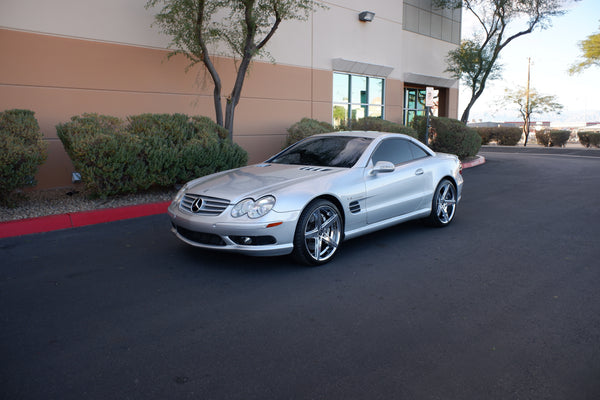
x,y
307,127
449,136
381,125
553,138
589,139
116,156
504,136
149,150
22,151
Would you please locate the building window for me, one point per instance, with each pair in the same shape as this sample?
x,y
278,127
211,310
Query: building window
x,y
414,104
356,97
422,17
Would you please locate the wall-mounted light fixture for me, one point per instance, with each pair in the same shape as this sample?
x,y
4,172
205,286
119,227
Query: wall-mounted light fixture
x,y
366,16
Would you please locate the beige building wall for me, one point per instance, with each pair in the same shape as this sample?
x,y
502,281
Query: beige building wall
x,y
68,57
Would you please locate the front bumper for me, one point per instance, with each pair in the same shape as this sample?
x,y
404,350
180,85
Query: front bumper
x,y
270,235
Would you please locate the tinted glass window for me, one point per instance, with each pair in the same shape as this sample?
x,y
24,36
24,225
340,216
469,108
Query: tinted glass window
x,y
417,152
335,151
396,151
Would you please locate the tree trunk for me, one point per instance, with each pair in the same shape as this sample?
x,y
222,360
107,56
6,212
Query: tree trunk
x,y
218,105
474,96
236,92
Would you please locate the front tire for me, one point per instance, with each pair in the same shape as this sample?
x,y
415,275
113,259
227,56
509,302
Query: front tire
x,y
443,205
318,233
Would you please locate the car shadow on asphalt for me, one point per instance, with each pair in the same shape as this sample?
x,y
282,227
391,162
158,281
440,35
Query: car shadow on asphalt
x,y
350,250
213,259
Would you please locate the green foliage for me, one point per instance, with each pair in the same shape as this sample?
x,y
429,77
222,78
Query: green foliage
x,y
381,125
239,29
22,151
550,138
537,102
306,127
590,54
504,136
232,24
589,139
498,23
467,62
148,150
485,134
449,136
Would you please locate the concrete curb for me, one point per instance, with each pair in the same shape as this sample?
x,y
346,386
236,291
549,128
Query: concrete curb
x,y
77,219
473,163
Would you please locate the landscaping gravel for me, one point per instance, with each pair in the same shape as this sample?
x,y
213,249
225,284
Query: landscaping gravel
x,y
61,201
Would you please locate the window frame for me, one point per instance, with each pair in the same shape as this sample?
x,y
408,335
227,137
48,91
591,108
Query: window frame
x,y
419,108
409,144
348,103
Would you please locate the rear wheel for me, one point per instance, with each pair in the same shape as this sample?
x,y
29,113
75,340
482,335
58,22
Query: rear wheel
x,y
443,205
318,233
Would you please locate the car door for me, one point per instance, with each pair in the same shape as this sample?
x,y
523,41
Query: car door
x,y
399,192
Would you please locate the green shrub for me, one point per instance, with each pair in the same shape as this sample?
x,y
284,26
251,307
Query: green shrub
x,y
589,139
550,138
486,134
543,138
504,136
148,150
381,125
449,136
559,138
509,136
22,151
306,127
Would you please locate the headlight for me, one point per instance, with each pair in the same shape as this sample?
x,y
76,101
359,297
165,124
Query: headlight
x,y
180,194
254,209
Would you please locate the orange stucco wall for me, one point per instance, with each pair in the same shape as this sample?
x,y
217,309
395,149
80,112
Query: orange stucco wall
x,y
60,77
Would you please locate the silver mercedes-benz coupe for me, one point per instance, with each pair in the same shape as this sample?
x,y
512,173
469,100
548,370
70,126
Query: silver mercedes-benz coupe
x,y
317,193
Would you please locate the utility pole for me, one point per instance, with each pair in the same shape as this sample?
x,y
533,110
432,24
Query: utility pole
x,y
527,110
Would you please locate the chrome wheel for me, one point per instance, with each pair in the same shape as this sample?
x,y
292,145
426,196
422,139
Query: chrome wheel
x,y
318,234
444,203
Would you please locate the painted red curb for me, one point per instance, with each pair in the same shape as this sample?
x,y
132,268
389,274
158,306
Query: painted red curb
x,y
478,161
77,219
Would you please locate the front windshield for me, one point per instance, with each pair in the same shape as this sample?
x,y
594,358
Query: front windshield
x,y
324,151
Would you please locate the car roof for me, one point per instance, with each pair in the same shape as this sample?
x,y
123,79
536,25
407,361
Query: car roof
x,y
366,134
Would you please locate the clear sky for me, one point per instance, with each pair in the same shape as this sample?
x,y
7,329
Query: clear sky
x,y
552,52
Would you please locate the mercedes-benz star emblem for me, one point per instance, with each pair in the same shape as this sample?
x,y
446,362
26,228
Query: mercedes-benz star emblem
x,y
196,205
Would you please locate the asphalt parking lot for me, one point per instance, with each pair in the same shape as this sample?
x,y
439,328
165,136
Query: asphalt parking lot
x,y
502,304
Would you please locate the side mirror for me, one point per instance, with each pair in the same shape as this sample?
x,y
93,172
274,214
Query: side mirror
x,y
383,167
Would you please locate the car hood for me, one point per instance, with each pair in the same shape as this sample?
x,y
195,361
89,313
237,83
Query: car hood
x,y
258,180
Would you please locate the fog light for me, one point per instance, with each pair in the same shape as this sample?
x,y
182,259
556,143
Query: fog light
x,y
247,240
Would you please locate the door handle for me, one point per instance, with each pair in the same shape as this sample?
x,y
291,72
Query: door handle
x,y
419,171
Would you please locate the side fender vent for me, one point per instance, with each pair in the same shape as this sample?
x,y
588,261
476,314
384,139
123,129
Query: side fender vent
x,y
354,207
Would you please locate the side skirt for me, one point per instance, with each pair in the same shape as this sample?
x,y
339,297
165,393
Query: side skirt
x,y
387,223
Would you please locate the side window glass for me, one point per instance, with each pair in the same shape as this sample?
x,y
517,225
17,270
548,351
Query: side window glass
x,y
396,151
417,152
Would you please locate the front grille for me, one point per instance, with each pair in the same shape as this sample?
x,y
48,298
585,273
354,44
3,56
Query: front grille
x,y
200,237
203,205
